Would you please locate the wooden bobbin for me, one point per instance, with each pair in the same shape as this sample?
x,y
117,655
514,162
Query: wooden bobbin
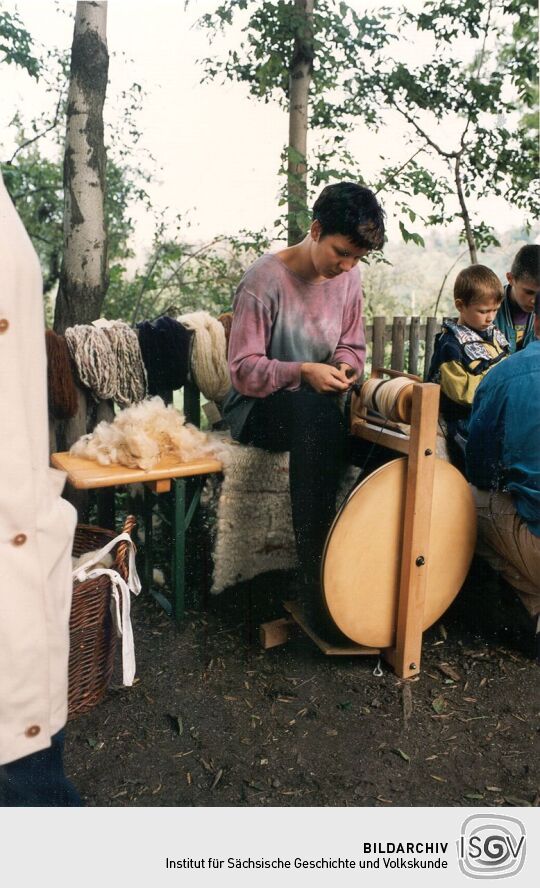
x,y
402,405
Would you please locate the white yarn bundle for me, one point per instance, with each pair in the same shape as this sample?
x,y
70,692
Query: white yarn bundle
x,y
209,354
109,360
144,434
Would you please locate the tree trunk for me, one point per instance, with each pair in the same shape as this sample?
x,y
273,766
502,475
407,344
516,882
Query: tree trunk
x,y
84,279
299,81
471,243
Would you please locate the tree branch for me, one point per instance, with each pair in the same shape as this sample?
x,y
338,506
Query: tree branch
x,y
40,135
465,213
436,307
481,57
450,155
398,171
144,285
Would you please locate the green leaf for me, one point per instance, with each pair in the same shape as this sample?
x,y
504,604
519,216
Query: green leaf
x,y
439,704
402,754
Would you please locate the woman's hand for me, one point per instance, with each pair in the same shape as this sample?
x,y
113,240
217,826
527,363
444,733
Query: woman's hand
x,y
325,378
349,371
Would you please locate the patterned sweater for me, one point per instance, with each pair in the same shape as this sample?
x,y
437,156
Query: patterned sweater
x,y
461,359
281,321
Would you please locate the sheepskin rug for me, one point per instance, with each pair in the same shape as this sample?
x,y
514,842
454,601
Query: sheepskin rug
x,y
142,435
252,505
253,527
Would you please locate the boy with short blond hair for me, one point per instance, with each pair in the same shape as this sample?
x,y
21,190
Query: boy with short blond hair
x,y
515,318
466,350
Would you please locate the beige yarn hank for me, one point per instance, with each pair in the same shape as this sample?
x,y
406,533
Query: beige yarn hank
x,y
108,360
209,354
131,379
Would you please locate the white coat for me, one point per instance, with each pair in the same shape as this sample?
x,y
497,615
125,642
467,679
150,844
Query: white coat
x,y
36,525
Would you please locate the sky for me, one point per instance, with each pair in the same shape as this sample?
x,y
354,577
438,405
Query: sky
x,y
217,150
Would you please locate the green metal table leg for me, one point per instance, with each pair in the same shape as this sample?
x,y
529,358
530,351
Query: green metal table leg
x,y
106,514
148,541
148,507
179,549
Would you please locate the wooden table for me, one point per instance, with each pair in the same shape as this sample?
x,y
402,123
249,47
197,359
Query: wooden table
x,y
168,475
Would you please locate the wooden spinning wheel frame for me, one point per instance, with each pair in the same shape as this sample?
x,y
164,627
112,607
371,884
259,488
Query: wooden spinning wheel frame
x,y
419,591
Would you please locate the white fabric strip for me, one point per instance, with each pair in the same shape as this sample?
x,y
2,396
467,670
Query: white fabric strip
x,y
120,590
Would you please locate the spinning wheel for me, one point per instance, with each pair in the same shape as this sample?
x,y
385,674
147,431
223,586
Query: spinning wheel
x,y
362,556
400,547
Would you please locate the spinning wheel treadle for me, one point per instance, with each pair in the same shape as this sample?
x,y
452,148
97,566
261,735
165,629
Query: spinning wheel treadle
x,y
361,561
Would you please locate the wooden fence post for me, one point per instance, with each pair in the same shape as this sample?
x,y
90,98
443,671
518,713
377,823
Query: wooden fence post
x,y
379,338
414,344
398,343
431,331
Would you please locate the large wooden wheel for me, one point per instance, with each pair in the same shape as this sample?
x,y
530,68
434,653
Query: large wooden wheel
x,y
362,556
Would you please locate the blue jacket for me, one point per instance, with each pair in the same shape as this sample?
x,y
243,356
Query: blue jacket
x,y
503,448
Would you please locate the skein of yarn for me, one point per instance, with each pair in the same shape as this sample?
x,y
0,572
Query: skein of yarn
x,y
209,354
108,360
166,349
392,398
131,381
61,390
226,320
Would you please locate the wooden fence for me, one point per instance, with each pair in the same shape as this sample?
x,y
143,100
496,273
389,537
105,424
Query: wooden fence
x,y
404,344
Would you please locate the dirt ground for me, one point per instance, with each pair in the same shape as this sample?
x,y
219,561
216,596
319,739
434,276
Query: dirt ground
x,y
212,720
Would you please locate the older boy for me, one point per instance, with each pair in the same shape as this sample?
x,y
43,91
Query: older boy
x,y
503,462
296,344
515,316
466,350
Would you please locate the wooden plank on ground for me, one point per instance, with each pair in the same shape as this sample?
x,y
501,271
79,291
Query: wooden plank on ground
x,y
275,633
347,649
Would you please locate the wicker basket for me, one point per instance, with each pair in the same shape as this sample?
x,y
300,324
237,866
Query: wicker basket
x,y
92,636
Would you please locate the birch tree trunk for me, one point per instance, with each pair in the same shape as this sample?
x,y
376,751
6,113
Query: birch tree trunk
x,y
299,81
84,278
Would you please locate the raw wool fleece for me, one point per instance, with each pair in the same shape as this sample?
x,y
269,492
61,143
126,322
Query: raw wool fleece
x,y
141,436
208,355
254,531
109,360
